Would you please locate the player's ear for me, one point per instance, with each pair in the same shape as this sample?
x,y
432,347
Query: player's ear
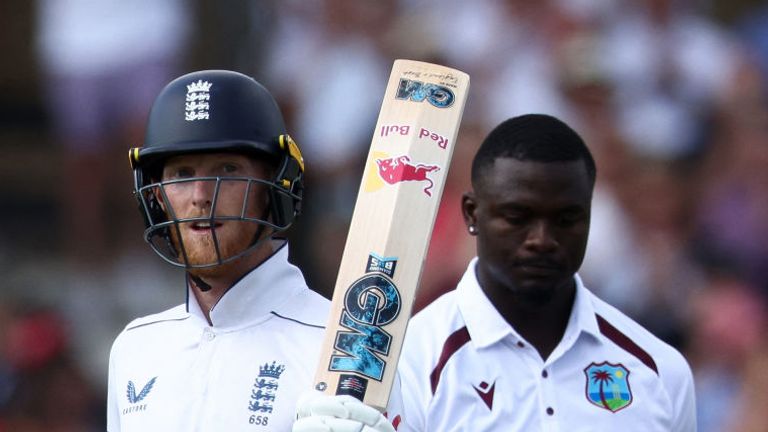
x,y
469,209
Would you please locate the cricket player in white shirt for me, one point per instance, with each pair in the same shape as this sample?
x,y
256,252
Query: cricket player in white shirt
x,y
522,344
218,181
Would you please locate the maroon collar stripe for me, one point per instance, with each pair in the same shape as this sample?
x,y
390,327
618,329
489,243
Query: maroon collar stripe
x,y
454,342
625,343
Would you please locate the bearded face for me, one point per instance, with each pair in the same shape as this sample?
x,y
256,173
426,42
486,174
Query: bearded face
x,y
209,194
206,243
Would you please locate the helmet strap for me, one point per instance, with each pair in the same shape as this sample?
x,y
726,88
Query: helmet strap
x,y
200,283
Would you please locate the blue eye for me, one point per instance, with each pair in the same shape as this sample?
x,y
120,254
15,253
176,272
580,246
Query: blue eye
x,y
182,172
229,168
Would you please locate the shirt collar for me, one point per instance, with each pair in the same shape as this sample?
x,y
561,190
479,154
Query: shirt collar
x,y
582,317
486,326
252,299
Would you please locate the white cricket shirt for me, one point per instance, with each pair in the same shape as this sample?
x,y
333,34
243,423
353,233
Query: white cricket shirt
x,y
464,368
174,372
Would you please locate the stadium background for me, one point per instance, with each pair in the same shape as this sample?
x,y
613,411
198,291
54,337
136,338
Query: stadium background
x,y
671,95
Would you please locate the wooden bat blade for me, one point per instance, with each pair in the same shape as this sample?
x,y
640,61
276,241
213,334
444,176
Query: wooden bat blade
x,y
390,230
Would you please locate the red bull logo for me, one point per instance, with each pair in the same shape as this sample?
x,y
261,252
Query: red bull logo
x,y
424,134
400,169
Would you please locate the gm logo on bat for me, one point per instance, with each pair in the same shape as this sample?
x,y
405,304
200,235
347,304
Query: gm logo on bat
x,y
370,303
417,91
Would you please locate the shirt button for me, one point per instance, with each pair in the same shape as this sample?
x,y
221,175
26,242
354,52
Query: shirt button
x,y
520,344
208,335
550,411
544,373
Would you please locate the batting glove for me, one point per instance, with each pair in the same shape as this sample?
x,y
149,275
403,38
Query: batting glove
x,y
318,412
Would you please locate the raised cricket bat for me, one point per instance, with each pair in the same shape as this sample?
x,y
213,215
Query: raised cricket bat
x,y
390,230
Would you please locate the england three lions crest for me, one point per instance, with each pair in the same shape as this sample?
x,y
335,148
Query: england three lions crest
x,y
265,388
196,104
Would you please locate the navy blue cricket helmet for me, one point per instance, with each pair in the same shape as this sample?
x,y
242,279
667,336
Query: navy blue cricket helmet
x,y
208,112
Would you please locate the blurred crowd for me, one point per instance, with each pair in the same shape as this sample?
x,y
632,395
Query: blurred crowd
x,y
670,95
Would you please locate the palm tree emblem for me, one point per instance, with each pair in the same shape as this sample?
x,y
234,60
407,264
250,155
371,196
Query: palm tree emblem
x,y
601,377
608,385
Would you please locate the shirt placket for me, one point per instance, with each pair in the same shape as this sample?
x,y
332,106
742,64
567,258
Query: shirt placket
x,y
201,376
546,391
548,400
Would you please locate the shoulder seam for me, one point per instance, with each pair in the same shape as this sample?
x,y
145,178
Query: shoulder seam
x,y
624,342
173,314
297,321
132,326
452,344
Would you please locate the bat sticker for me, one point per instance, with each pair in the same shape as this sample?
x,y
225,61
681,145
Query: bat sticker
x,y
400,169
381,264
352,385
370,303
417,91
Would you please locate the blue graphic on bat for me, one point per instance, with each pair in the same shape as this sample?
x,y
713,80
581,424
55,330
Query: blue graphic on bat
x,y
371,302
373,299
437,95
359,348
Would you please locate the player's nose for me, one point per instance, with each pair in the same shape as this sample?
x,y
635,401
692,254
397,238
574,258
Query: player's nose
x,y
203,192
541,237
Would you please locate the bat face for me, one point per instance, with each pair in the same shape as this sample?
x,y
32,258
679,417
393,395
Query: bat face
x,y
390,230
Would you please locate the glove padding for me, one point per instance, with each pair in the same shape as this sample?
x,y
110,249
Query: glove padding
x,y
318,412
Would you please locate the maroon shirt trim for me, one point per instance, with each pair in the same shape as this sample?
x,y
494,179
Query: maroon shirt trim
x,y
455,341
625,343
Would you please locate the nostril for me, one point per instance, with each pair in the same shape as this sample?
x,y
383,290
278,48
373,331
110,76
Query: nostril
x,y
540,237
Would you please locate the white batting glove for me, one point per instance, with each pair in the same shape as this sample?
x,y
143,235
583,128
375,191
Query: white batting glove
x,y
318,412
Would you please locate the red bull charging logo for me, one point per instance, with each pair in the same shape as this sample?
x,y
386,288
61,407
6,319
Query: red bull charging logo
x,y
400,169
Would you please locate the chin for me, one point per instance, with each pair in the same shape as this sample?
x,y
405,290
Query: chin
x,y
201,261
543,291
206,255
536,296
213,271
201,249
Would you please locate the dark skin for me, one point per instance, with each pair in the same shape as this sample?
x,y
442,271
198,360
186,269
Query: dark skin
x,y
531,220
